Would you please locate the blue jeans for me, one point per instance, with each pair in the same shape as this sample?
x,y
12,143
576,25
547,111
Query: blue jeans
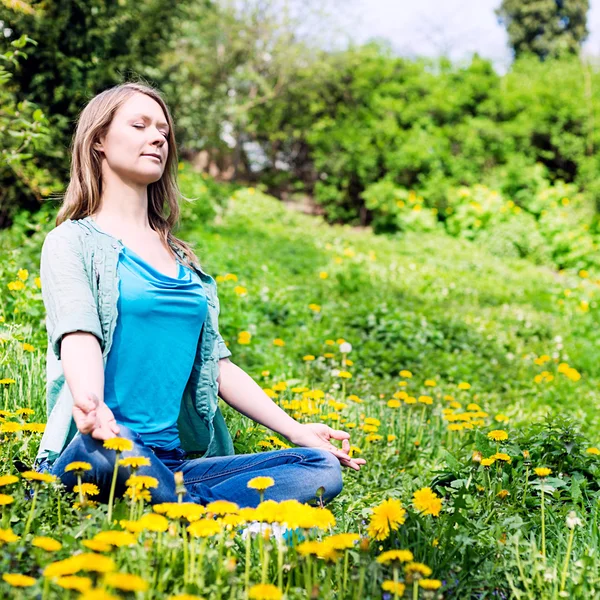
x,y
298,472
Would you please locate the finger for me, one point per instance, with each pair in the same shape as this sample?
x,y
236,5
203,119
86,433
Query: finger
x,y
338,434
84,405
351,464
346,445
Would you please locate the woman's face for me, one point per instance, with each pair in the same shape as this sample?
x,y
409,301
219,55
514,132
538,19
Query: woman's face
x,y
138,130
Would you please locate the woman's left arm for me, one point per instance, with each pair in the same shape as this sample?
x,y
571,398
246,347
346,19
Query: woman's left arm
x,y
241,392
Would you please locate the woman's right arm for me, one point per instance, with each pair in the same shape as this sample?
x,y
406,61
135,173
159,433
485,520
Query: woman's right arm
x,y
74,330
84,372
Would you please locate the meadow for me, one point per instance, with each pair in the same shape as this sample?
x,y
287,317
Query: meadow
x,y
468,381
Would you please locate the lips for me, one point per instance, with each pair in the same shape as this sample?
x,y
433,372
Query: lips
x,y
155,156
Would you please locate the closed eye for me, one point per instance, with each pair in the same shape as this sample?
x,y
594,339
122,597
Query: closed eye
x,y
165,135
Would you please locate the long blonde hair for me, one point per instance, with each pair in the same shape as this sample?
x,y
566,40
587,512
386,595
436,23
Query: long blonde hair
x,y
82,196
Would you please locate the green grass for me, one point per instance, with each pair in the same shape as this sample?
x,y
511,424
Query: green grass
x,y
445,309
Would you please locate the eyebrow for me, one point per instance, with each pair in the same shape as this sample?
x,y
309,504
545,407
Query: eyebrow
x,y
147,118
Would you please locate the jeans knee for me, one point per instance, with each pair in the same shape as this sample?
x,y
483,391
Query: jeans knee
x,y
331,473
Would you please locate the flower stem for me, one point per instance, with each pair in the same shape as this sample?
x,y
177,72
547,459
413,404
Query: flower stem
x,y
80,490
563,579
32,511
113,485
543,526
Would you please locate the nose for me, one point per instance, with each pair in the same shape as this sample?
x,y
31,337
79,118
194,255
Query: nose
x,y
158,139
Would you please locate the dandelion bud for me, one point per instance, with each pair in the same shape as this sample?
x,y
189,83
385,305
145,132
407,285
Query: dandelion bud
x,y
573,520
477,456
364,544
179,486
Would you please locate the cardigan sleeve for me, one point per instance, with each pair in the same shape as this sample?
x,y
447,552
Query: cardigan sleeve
x,y
66,289
224,351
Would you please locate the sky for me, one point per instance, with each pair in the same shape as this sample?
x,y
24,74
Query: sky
x,y
454,27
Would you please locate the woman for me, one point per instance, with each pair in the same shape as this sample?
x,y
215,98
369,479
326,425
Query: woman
x,y
134,348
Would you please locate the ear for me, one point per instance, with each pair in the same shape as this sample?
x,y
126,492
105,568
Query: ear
x,y
99,144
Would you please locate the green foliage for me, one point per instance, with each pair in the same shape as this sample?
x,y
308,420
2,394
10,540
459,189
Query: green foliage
x,y
81,48
25,137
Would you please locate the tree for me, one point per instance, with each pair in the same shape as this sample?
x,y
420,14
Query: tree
x,y
81,47
545,27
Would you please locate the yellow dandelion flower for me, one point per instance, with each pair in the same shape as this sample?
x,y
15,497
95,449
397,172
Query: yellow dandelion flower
x,y
265,591
463,385
594,451
430,383
118,444
388,516
46,543
498,435
395,556
6,499
502,456
278,342
10,427
141,481
425,399
205,528
34,427
417,567
78,465
222,507
542,471
7,536
135,462
430,584
74,582
183,510
18,580
126,582
427,502
115,538
488,462
96,546
393,587
308,357
261,483
87,489
35,476
342,541
406,374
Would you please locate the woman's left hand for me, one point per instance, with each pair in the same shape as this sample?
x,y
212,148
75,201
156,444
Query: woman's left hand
x,y
317,435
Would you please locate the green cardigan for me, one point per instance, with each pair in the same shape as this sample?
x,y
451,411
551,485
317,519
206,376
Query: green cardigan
x,y
80,287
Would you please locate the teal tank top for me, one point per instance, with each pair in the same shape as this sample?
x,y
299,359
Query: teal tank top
x,y
159,323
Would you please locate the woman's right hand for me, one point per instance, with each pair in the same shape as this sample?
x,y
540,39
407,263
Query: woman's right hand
x,y
93,416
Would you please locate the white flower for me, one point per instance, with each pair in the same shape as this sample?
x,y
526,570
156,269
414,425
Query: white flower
x,y
573,520
346,347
